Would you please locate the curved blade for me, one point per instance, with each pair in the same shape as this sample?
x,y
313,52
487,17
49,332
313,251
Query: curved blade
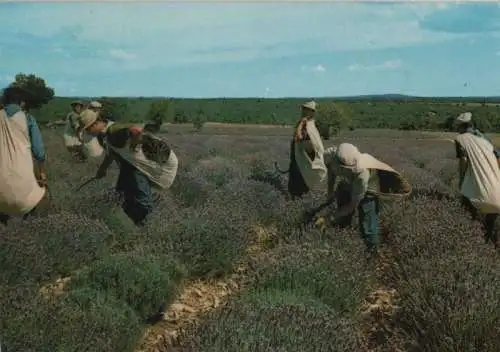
x,y
86,183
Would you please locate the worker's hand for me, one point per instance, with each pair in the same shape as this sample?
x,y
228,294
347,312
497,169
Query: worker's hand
x,y
135,137
320,223
42,179
101,172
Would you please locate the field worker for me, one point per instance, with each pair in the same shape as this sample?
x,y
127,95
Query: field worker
x,y
71,140
307,168
479,175
365,179
95,106
23,179
139,168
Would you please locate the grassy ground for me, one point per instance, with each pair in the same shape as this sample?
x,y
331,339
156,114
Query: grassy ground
x,y
221,252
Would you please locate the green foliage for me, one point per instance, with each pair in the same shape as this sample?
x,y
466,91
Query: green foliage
x,y
145,282
409,114
222,237
298,290
82,320
40,93
331,120
290,324
27,255
199,120
296,303
339,290
180,117
114,109
450,303
158,111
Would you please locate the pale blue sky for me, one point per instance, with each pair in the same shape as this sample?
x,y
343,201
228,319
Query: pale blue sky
x,y
254,49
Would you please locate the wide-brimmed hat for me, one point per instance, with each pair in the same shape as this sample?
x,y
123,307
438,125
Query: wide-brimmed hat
x,y
87,118
77,102
311,105
464,117
348,157
95,104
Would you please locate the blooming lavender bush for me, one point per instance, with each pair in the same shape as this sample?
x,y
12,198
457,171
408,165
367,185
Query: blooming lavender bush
x,y
305,287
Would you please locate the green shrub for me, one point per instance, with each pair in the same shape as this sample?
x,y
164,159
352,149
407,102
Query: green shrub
x,y
42,249
145,282
210,245
83,320
284,323
328,276
447,279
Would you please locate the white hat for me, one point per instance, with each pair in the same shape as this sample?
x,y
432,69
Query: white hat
x,y
464,118
87,118
95,104
348,157
310,105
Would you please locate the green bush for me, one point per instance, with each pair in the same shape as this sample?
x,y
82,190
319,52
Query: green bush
x,y
209,245
42,249
82,320
328,276
284,323
447,279
145,282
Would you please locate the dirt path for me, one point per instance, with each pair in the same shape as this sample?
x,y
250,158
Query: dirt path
x,y
197,298
200,297
378,312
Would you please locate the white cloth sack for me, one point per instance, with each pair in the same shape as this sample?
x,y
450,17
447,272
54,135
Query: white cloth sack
x,y
91,146
19,190
161,175
313,171
397,184
481,182
70,138
404,188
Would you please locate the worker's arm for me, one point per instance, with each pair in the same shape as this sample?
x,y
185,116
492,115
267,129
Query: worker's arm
x,y
37,145
329,157
359,189
462,168
462,163
37,150
135,136
106,163
331,184
75,122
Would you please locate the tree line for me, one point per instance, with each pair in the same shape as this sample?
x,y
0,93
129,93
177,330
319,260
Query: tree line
x,y
334,114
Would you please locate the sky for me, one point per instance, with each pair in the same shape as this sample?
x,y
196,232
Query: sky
x,y
280,49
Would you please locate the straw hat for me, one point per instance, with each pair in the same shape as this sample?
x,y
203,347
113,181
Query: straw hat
x,y
311,105
87,118
77,102
95,104
465,117
348,157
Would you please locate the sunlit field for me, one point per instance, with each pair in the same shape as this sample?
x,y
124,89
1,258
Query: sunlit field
x,y
223,254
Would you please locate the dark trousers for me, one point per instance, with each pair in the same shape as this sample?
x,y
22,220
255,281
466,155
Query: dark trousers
x,y
490,233
137,194
368,212
41,208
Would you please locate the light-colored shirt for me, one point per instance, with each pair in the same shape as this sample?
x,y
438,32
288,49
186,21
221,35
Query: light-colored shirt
x,y
73,117
37,145
361,182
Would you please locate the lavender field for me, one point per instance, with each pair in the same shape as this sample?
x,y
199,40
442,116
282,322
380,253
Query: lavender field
x,y
223,254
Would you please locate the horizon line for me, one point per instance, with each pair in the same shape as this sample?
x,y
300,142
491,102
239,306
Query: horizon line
x,y
282,97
